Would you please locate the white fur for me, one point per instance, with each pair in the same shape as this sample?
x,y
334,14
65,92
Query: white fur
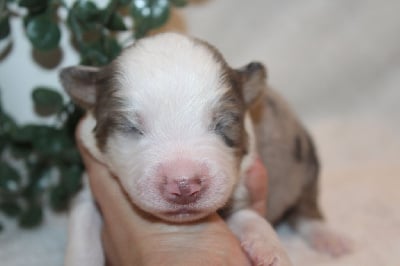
x,y
172,85
84,232
258,239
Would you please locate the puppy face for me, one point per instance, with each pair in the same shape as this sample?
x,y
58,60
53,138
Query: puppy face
x,y
169,122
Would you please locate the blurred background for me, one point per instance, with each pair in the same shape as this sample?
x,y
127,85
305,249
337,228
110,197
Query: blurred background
x,y
336,62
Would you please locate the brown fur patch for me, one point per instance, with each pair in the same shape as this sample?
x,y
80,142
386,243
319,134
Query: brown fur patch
x,y
227,118
228,122
108,105
297,149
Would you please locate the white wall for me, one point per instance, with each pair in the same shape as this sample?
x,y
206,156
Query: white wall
x,y
325,56
19,74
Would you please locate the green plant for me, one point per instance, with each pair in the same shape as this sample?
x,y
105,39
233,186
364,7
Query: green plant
x,y
50,167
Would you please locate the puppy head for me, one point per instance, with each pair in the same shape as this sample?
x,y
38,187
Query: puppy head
x,y
169,122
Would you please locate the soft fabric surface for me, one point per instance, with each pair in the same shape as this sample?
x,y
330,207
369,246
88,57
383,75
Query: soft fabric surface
x,y
338,63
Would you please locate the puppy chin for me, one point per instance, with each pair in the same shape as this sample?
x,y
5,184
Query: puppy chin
x,y
180,214
184,215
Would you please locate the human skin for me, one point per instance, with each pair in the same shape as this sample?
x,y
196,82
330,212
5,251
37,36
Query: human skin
x,y
131,237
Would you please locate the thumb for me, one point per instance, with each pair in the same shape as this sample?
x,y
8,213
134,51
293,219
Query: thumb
x,y
256,182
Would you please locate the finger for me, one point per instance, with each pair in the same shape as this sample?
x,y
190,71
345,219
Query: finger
x,y
110,199
112,258
117,210
105,189
103,185
257,185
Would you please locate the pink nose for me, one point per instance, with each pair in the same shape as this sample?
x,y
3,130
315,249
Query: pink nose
x,y
183,182
183,191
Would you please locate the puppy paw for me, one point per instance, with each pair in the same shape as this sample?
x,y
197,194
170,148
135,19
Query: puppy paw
x,y
262,254
258,239
325,240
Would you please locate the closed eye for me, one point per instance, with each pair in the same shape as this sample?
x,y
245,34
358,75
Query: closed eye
x,y
228,126
135,130
221,130
128,127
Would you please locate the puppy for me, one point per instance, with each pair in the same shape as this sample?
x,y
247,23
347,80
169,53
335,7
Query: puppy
x,y
180,129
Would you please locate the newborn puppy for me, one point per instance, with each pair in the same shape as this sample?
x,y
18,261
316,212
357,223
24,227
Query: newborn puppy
x,y
180,129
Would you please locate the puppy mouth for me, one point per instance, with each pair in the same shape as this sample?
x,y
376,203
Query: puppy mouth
x,y
184,214
183,211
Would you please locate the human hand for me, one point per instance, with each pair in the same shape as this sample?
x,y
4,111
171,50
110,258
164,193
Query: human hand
x,y
131,237
256,181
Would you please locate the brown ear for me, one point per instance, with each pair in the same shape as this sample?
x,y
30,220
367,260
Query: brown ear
x,y
253,76
80,82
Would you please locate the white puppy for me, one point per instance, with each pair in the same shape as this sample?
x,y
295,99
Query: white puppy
x,y
178,127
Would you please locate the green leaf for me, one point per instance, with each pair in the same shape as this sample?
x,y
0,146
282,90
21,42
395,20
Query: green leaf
x,y
32,3
75,27
10,208
9,178
31,217
3,143
51,143
24,134
74,113
72,178
124,2
178,3
21,150
39,173
116,22
111,47
34,6
7,124
91,32
46,140
43,33
4,27
71,155
149,14
59,198
85,10
71,182
47,101
94,55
